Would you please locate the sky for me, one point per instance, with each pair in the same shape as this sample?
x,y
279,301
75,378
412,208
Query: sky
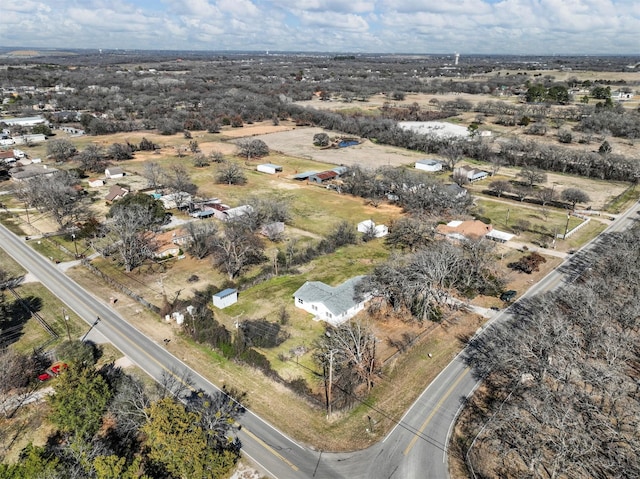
x,y
521,27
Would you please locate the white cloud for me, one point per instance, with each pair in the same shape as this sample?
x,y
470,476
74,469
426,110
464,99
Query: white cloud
x,y
327,6
421,26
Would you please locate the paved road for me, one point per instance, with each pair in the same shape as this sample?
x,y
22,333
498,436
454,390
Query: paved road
x,y
415,448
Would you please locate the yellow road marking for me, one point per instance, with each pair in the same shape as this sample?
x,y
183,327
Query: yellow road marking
x,y
270,449
435,409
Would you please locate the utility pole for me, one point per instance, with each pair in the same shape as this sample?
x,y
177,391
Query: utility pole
x,y
75,246
329,397
566,228
66,322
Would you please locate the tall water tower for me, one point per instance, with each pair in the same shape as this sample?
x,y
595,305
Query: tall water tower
x,y
457,58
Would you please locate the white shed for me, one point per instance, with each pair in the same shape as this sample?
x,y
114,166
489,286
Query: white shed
x,y
269,168
225,298
429,165
114,172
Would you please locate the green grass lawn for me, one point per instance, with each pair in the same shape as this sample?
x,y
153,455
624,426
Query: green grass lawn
x,y
623,201
9,266
539,224
12,222
266,299
31,333
48,247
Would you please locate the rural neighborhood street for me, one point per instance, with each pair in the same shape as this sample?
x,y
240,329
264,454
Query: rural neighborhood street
x,y
415,448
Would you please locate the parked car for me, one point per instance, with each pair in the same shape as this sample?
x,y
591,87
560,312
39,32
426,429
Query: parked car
x,y
58,367
508,296
53,371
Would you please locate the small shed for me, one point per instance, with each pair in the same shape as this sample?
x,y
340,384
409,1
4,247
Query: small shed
x,y
323,176
304,175
225,298
269,168
114,172
429,165
96,182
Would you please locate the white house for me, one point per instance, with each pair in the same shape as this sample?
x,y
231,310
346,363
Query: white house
x,y
472,174
269,168
29,139
114,172
225,298
429,165
26,121
335,305
24,173
175,200
499,236
367,226
236,212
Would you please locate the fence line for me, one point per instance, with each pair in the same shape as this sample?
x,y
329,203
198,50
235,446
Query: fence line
x,y
121,287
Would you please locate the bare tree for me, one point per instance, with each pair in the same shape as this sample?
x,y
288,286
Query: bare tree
x,y
93,158
522,192
236,248
16,380
120,151
496,162
410,233
347,354
200,160
252,148
61,150
531,175
175,383
574,196
453,153
178,180
154,174
130,235
202,235
499,187
218,414
216,157
230,173
55,195
545,195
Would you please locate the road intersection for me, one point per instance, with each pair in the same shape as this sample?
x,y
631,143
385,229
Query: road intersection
x,y
415,448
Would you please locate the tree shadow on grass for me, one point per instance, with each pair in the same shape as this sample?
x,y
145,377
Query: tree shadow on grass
x,y
17,313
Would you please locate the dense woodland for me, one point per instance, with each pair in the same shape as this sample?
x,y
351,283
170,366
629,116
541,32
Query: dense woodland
x,y
562,376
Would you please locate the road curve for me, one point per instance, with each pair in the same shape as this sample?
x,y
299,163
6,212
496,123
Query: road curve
x,y
415,448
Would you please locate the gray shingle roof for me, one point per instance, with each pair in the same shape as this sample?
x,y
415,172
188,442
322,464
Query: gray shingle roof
x,y
337,300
